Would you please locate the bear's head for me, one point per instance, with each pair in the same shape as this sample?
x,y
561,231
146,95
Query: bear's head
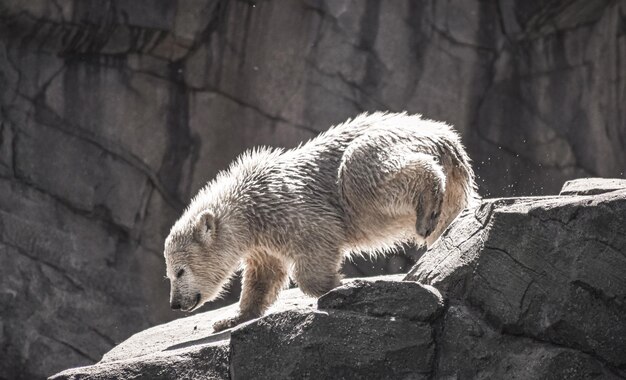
x,y
200,259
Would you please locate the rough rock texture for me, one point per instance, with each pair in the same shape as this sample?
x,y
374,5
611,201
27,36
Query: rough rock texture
x,y
550,269
519,288
114,112
325,345
296,340
183,348
381,299
592,186
471,348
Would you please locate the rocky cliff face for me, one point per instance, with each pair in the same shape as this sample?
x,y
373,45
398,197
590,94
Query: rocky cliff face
x,y
519,288
113,113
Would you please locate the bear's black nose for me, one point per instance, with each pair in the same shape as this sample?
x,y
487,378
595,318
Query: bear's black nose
x,y
175,305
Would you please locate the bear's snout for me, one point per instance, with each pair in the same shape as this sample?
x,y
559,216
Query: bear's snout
x,y
185,303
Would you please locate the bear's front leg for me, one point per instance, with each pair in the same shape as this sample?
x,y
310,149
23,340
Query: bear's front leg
x,y
264,276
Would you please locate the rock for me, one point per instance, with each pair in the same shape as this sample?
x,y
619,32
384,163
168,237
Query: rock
x,y
333,344
470,348
293,340
194,329
534,288
113,114
73,272
96,183
408,300
592,186
208,361
171,350
552,269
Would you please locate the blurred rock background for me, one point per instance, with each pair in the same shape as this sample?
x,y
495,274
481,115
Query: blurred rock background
x,y
113,113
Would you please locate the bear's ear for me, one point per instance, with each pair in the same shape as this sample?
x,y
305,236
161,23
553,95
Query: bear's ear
x,y
205,225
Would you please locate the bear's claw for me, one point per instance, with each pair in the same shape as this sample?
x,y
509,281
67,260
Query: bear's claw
x,y
231,322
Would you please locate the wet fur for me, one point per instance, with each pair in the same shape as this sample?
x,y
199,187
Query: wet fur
x,y
368,184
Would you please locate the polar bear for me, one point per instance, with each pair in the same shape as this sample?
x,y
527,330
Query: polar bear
x,y
365,185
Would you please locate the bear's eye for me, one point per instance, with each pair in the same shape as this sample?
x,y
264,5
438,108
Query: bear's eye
x,y
180,273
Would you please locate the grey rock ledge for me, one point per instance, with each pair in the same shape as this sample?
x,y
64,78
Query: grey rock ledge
x,y
516,288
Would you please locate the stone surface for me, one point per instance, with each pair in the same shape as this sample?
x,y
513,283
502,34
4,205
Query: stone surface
x,y
592,186
113,113
209,361
171,350
331,345
197,328
294,340
534,288
551,269
407,300
469,348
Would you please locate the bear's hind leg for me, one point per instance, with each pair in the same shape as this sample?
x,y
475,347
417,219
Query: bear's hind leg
x,y
426,186
429,191
317,275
